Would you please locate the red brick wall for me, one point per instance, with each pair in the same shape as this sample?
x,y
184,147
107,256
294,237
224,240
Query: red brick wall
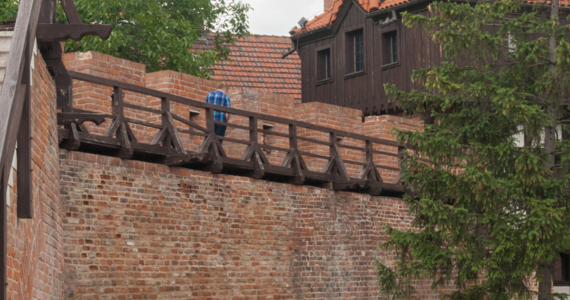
x,y
331,116
35,249
383,127
97,98
137,230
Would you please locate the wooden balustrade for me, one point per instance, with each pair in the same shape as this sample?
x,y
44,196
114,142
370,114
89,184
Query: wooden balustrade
x,y
167,146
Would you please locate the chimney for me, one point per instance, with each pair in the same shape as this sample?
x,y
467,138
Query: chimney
x,y
329,4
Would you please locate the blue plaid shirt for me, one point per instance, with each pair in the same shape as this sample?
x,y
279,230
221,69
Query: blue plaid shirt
x,y
219,98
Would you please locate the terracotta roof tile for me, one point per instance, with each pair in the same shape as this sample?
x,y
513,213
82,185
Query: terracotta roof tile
x,y
256,62
330,15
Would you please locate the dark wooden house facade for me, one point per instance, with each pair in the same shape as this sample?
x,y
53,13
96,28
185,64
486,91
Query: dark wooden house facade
x,y
348,61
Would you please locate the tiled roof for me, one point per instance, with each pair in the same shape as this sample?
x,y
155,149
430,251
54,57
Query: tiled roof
x,y
256,63
328,17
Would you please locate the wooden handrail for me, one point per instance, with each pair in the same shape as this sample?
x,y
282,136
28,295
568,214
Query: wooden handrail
x,y
168,148
201,104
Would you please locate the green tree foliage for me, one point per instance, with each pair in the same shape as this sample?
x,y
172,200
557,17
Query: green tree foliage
x,y
159,34
8,10
489,217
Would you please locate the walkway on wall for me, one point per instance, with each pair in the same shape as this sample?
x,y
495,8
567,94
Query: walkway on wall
x,y
153,126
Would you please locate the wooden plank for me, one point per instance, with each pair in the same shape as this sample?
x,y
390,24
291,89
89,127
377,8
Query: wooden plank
x,y
65,118
356,163
231,125
314,155
143,123
63,32
73,139
71,11
113,127
274,148
138,107
269,132
24,162
3,231
11,99
159,137
352,147
385,153
182,159
126,151
48,11
173,133
313,141
189,123
192,132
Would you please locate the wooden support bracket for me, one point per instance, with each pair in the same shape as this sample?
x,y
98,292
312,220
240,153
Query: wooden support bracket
x,y
126,151
295,160
62,32
65,118
211,146
73,142
335,166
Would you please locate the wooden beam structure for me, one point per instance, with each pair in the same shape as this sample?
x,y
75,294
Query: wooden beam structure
x,y
167,147
35,17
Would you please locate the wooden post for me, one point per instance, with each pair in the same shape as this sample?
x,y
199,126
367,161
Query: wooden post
x,y
49,12
3,232
24,162
293,137
400,155
332,152
294,157
118,102
165,107
253,138
210,119
369,153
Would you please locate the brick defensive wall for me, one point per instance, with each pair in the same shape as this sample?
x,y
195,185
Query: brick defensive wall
x,y
111,228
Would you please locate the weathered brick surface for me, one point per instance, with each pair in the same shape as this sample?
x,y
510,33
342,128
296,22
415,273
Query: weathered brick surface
x,y
137,230
97,98
35,249
382,127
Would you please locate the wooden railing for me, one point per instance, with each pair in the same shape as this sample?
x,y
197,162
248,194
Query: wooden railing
x,y
124,134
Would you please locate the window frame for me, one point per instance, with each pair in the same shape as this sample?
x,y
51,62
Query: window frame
x,y
350,56
332,67
393,28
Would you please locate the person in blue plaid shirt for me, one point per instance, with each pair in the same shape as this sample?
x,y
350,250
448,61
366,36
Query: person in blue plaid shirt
x,y
220,97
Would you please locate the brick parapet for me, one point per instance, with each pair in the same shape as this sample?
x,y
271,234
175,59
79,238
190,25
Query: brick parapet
x,y
106,66
35,248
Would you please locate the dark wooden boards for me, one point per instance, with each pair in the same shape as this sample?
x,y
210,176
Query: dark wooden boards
x,y
63,32
364,91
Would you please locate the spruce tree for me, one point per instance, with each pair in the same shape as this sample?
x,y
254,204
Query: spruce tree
x,y
490,215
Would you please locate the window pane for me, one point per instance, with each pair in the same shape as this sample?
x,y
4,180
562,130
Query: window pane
x,y
394,40
328,64
358,52
324,64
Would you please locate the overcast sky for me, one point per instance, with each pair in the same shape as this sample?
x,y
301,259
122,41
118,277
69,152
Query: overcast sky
x,y
277,17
